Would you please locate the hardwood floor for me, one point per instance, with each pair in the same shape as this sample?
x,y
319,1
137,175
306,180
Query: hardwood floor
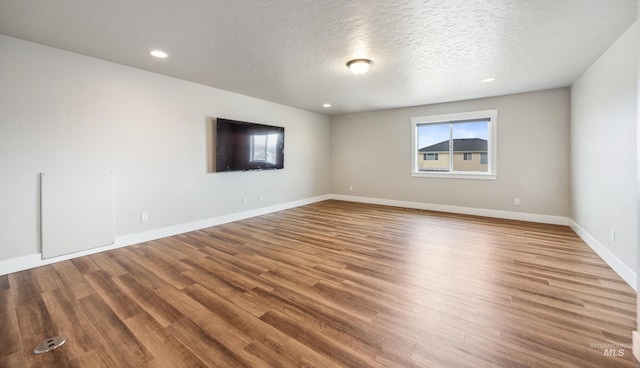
x,y
333,284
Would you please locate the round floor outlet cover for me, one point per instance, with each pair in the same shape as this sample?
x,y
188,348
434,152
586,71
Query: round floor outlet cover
x,y
50,344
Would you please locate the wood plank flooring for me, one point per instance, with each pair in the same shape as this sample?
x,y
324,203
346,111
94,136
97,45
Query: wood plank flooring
x,y
332,284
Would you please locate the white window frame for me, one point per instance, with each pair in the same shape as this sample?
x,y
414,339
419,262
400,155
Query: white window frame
x,y
492,151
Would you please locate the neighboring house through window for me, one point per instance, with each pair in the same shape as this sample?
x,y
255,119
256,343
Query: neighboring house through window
x,y
455,145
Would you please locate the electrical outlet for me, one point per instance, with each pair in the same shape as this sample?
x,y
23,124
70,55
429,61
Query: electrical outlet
x,y
613,236
261,198
351,188
144,216
516,201
244,200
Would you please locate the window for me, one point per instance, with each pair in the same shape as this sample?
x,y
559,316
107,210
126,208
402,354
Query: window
x,y
459,145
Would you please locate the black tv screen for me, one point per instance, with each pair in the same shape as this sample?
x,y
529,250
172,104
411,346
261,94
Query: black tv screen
x,y
242,146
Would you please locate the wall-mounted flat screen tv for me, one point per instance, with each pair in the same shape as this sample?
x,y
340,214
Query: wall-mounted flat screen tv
x,y
242,146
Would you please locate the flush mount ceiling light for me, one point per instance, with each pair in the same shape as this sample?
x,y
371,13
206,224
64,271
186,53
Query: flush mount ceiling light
x,y
359,66
327,105
489,80
159,54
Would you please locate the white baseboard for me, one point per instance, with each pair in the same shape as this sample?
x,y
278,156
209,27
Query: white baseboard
x,y
626,273
214,221
521,216
614,262
35,260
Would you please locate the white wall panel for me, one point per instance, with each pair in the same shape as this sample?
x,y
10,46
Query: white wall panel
x,y
77,211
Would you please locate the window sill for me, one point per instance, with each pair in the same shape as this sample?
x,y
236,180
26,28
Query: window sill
x,y
455,175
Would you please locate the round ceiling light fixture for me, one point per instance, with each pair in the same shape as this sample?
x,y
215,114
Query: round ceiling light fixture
x,y
359,66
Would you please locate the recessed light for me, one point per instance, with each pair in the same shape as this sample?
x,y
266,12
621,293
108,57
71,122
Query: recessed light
x,y
489,80
327,105
159,54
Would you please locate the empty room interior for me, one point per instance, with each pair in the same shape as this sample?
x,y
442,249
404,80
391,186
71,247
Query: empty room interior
x,y
435,183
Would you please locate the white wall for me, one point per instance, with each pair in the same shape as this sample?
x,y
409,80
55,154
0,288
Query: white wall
x,y
636,335
372,152
60,111
604,154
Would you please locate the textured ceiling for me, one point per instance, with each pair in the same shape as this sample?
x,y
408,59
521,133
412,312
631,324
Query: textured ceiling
x,y
294,51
